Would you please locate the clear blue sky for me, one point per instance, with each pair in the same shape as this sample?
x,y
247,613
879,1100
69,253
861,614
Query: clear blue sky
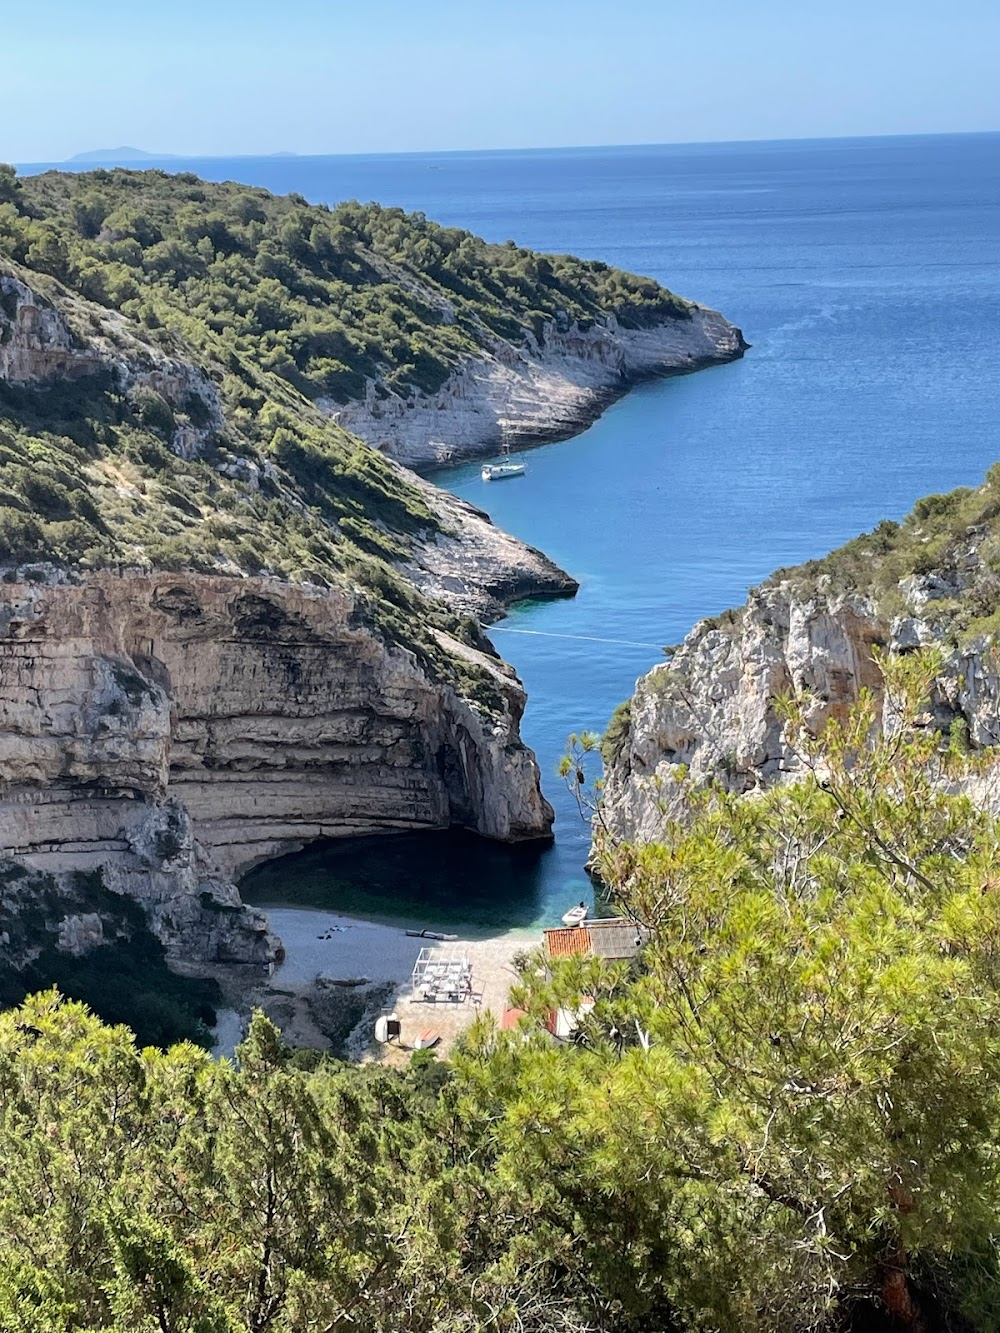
x,y
324,76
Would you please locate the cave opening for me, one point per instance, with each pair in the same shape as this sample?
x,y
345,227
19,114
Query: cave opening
x,y
438,878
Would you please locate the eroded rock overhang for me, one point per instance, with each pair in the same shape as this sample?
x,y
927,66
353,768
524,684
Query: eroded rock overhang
x,y
176,729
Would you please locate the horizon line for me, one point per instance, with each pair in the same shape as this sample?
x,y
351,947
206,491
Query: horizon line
x,y
287,155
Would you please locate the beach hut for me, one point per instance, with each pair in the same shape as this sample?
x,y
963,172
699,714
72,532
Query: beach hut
x,y
615,939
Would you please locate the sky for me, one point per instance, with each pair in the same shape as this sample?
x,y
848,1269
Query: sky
x,y
227,77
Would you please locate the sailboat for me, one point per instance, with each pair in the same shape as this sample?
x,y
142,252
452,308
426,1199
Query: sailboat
x,y
498,471
506,468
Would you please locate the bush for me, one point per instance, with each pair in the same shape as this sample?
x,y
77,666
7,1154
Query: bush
x,y
616,738
154,412
47,498
20,537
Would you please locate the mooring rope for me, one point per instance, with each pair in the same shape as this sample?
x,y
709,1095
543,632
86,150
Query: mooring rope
x,y
583,638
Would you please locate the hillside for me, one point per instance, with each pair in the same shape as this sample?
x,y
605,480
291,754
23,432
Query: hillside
x,y
213,638
358,305
190,446
323,298
712,712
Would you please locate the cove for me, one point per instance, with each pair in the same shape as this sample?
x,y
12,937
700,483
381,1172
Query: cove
x,y
865,275
418,879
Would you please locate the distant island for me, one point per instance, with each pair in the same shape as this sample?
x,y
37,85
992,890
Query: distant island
x,y
119,155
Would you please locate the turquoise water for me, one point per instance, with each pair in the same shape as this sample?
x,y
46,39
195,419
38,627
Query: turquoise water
x,y
422,879
866,274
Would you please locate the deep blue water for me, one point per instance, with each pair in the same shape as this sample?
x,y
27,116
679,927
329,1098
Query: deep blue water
x,y
866,274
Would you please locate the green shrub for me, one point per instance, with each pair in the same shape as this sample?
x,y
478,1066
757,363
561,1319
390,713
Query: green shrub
x,y
616,737
154,412
20,537
47,498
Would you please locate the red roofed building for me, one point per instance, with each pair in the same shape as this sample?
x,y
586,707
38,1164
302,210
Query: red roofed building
x,y
613,939
511,1018
566,942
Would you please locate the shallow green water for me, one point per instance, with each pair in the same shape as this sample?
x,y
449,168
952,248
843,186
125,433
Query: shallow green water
x,y
449,879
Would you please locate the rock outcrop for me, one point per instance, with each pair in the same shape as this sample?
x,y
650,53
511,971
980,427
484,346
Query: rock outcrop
x,y
536,391
36,342
711,709
476,567
39,345
175,729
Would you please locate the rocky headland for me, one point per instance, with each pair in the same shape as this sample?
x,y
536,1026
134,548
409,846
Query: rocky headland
x,y
229,626
540,389
710,711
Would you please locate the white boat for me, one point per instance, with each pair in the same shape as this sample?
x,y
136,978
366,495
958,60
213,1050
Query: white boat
x,y
498,471
576,916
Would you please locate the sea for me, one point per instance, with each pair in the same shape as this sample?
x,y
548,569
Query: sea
x,y
865,273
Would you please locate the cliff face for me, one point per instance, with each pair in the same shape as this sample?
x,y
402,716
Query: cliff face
x,y
35,340
476,567
535,391
38,346
712,708
171,730
176,729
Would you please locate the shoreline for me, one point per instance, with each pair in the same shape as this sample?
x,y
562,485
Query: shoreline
x,y
589,413
536,392
340,972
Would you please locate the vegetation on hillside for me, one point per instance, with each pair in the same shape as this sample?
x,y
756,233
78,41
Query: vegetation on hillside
x,y
88,480
271,304
326,299
94,471
782,1116
954,538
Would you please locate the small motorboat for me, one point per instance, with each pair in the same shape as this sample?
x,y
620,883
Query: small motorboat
x,y
576,916
500,471
430,935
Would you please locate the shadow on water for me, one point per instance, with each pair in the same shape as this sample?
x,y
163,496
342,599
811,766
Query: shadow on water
x,y
450,878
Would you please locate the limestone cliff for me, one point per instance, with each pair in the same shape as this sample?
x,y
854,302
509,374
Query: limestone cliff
x,y
710,711
175,729
171,730
172,356
476,567
540,389
43,343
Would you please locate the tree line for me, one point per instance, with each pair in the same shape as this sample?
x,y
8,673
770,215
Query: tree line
x,y
782,1115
